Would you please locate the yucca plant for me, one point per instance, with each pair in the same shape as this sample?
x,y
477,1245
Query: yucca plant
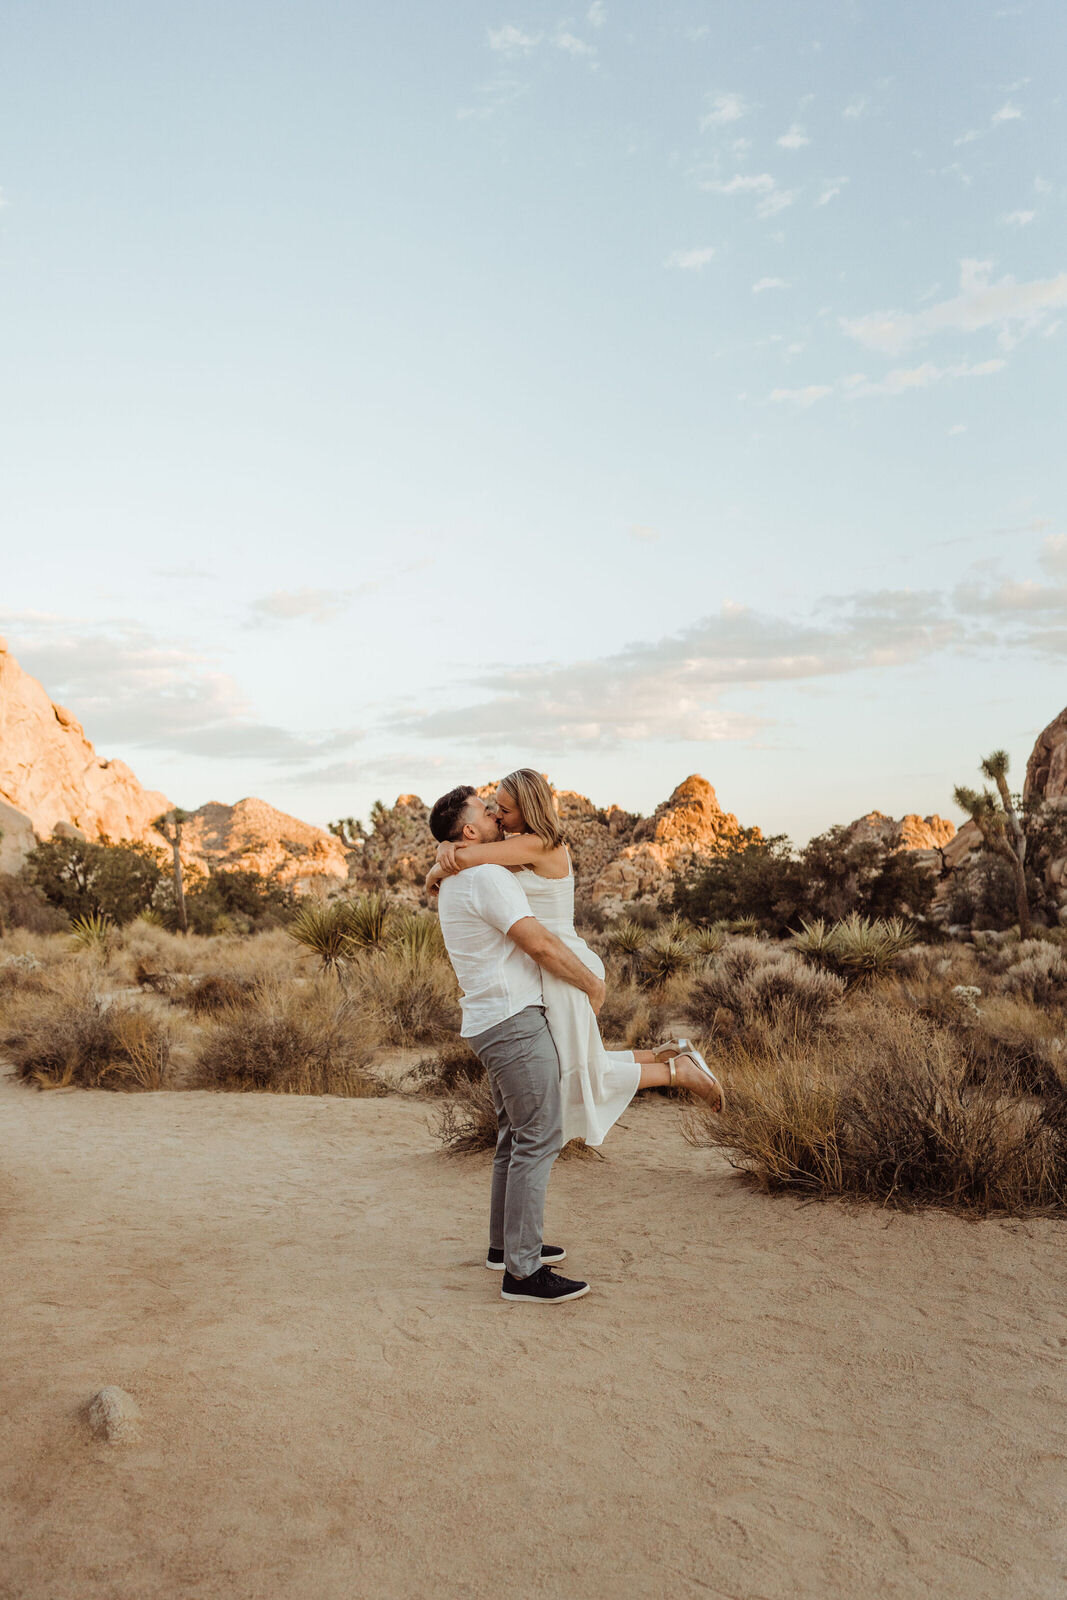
x,y
418,933
859,947
93,932
323,930
747,927
706,941
663,957
368,920
628,937
814,940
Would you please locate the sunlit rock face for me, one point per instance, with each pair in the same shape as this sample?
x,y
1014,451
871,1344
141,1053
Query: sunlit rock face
x,y
929,837
689,828
50,773
1046,770
253,836
1046,785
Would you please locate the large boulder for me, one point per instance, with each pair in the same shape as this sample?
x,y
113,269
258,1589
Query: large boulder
x,y
50,773
1046,770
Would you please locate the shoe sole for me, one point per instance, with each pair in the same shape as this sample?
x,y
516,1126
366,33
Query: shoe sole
x,y
546,1261
546,1300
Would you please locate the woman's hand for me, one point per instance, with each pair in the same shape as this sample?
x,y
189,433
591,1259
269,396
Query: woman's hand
x,y
432,881
446,858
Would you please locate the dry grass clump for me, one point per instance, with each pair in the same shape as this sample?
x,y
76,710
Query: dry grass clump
x,y
886,1108
410,993
751,982
68,1033
311,1040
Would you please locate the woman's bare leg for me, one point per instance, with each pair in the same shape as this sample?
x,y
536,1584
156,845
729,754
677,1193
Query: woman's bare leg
x,y
687,1075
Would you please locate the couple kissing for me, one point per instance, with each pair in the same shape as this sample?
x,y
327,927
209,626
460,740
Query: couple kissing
x,y
531,993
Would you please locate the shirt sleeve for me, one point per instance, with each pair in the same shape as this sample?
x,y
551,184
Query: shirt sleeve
x,y
498,899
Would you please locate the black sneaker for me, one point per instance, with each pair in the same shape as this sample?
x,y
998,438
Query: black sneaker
x,y
551,1256
543,1287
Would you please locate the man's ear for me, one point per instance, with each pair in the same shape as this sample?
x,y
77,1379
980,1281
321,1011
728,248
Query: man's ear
x,y
469,832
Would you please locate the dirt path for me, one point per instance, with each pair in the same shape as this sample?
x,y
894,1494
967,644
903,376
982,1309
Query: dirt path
x,y
759,1400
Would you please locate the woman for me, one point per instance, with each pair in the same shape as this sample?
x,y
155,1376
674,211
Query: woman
x,y
597,1084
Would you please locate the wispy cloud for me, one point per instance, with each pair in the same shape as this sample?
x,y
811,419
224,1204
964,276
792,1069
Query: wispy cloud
x,y
967,138
794,138
1018,219
1007,113
133,690
723,109
571,45
778,200
741,183
644,534
511,41
288,605
957,428
671,688
1053,555
763,284
691,260
901,380
830,190
597,14
980,304
856,107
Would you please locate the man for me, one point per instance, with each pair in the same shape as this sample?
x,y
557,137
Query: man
x,y
497,950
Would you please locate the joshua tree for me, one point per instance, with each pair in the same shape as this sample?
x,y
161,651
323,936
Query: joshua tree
x,y
349,830
1001,827
170,826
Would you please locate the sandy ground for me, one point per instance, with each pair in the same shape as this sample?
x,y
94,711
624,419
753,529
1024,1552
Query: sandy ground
x,y
759,1400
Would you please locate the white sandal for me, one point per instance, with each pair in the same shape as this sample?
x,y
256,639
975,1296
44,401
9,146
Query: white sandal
x,y
701,1065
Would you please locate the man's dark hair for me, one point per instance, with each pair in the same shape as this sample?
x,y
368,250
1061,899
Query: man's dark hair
x,y
446,816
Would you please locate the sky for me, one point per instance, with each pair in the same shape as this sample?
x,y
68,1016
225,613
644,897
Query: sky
x,y
395,395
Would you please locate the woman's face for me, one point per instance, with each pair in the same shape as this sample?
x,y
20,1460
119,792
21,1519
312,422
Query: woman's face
x,y
507,812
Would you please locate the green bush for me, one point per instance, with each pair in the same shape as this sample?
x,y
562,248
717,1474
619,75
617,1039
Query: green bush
x,y
96,879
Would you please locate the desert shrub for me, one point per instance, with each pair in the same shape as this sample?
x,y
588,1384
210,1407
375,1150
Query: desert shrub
x,y
450,1067
21,974
706,942
411,994
285,1041
85,878
626,1017
237,900
1013,1046
833,877
467,1120
1034,970
857,947
218,992
750,981
888,1111
69,1033
24,905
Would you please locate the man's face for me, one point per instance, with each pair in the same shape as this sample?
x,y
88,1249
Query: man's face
x,y
479,822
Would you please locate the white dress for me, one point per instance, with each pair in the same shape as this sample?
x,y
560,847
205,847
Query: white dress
x,y
597,1084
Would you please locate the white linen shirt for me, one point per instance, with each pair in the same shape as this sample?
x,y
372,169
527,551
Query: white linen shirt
x,y
477,907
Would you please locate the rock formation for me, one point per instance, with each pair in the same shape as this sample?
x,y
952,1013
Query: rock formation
x,y
688,828
50,773
1046,770
253,837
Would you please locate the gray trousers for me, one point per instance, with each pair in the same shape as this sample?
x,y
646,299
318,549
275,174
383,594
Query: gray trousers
x,y
523,1067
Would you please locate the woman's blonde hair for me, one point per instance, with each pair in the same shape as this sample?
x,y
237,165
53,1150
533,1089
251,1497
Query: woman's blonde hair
x,y
530,792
